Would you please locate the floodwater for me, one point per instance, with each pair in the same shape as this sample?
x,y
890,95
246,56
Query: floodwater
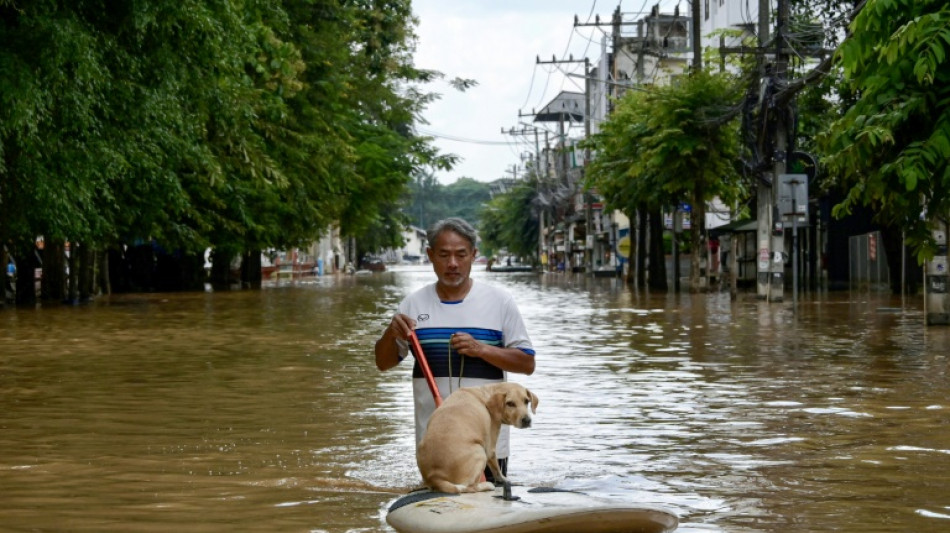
x,y
263,410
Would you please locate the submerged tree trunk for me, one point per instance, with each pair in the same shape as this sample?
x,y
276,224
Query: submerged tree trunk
x,y
87,267
105,284
6,288
697,220
193,271
221,269
140,267
72,292
642,246
631,277
251,270
657,269
53,286
26,263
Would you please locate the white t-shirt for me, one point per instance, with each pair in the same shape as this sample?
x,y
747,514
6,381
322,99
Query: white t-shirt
x,y
488,314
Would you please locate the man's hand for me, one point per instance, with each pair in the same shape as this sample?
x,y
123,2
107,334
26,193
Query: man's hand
x,y
396,334
401,326
465,344
509,359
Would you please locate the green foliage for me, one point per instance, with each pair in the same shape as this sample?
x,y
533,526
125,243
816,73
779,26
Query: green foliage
x,y
510,221
429,201
816,112
890,148
235,124
668,145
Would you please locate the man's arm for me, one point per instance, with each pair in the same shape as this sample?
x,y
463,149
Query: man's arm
x,y
387,347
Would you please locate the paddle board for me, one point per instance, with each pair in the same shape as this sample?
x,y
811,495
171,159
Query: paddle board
x,y
536,510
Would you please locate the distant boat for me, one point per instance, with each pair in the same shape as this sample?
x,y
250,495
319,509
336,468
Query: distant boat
x,y
508,265
512,268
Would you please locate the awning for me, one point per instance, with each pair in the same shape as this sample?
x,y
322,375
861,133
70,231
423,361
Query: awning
x,y
737,226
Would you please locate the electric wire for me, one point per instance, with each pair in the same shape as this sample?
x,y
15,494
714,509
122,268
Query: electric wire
x,y
455,138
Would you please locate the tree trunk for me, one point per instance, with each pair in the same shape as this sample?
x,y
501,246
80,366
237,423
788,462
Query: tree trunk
x,y
697,219
72,292
6,288
105,284
221,269
642,245
26,263
632,251
53,285
657,268
87,269
140,265
193,271
251,270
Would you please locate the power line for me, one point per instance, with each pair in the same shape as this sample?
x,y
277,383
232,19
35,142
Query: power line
x,y
454,138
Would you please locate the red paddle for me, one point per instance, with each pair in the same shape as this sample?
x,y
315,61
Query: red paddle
x,y
424,365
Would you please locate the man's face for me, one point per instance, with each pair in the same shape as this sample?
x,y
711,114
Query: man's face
x,y
452,257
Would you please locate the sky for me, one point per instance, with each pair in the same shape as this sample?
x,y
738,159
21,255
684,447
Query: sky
x,y
497,44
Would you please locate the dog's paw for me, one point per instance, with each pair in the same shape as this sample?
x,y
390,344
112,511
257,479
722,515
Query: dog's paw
x,y
485,486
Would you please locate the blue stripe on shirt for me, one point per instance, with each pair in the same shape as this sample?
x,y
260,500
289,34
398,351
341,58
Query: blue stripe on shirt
x,y
435,344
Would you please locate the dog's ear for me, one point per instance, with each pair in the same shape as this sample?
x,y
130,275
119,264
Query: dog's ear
x,y
496,401
534,401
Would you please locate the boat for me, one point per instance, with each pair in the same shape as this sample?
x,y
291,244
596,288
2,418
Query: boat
x,y
511,268
509,264
523,509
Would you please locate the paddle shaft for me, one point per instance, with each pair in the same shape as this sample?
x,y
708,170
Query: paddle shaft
x,y
424,365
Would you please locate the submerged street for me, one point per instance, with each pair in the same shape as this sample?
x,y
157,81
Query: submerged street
x,y
263,410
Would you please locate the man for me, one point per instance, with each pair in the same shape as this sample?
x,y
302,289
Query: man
x,y
472,333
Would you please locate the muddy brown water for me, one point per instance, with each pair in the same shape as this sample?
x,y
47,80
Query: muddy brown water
x,y
263,410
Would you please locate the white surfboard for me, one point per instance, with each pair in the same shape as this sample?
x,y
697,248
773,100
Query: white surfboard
x,y
537,510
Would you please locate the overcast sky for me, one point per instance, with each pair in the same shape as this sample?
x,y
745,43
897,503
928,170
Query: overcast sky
x,y
496,43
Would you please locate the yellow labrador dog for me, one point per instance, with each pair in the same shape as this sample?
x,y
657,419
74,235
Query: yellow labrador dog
x,y
460,438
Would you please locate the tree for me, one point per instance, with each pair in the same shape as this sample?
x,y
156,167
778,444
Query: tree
x,y
160,128
510,221
669,145
891,147
386,103
423,201
465,198
428,200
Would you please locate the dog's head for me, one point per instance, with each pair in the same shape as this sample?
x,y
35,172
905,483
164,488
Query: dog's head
x,y
515,403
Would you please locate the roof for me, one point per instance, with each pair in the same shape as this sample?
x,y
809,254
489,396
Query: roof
x,y
565,106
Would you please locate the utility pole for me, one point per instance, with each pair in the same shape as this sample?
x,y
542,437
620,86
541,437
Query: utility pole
x,y
616,22
695,29
610,78
770,280
589,238
775,91
763,189
525,130
548,244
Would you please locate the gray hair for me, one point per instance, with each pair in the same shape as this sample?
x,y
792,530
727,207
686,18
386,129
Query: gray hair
x,y
451,224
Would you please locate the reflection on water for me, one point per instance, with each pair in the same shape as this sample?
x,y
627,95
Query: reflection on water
x,y
263,411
